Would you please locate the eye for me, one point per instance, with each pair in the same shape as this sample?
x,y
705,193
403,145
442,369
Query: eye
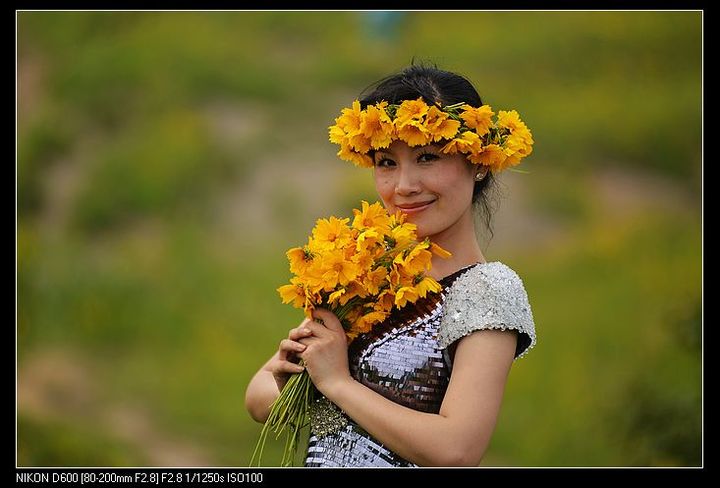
x,y
384,163
426,157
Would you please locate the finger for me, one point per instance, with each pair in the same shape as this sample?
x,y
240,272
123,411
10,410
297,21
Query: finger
x,y
282,353
329,319
284,367
308,340
299,332
317,329
289,346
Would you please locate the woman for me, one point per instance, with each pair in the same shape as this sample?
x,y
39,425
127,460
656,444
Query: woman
x,y
424,387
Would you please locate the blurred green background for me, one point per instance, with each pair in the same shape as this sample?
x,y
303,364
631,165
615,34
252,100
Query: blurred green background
x,y
166,161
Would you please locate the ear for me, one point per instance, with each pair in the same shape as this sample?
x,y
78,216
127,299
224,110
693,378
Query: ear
x,y
481,173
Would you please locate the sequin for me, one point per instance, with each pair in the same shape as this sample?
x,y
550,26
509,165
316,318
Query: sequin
x,y
491,296
406,358
326,417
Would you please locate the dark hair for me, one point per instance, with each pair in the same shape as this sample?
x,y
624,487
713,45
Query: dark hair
x,y
434,86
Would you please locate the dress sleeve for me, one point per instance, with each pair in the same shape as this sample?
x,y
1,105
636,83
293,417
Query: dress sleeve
x,y
489,296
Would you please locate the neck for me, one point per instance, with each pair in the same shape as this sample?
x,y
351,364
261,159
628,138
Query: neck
x,y
460,240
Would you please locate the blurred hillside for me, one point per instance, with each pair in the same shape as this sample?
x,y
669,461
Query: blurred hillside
x,y
166,161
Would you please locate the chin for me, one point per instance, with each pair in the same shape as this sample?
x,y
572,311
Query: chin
x,y
422,231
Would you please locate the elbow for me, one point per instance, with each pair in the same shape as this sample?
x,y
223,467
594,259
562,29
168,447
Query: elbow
x,y
467,458
462,459
257,413
461,455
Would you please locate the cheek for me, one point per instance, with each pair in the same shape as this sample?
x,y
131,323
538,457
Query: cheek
x,y
456,184
384,187
465,178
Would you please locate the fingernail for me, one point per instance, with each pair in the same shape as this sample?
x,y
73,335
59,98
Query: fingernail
x,y
301,347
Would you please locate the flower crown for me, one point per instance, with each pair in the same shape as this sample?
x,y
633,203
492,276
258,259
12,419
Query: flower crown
x,y
498,144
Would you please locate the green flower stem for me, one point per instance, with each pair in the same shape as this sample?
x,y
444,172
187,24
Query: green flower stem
x,y
288,412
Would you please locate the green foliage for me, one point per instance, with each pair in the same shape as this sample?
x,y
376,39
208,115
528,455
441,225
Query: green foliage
x,y
60,444
150,170
46,139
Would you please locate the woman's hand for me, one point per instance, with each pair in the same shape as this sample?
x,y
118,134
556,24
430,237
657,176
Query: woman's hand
x,y
285,362
326,356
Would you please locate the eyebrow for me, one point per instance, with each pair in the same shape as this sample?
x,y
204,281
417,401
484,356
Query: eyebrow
x,y
387,150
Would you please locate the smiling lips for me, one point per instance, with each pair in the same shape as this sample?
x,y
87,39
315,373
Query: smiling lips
x,y
416,207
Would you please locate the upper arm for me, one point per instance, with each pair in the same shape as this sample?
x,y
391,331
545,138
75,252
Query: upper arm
x,y
477,383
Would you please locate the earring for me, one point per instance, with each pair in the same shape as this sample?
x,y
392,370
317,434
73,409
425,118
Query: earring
x,y
480,176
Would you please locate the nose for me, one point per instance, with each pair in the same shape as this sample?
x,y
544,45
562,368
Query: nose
x,y
408,180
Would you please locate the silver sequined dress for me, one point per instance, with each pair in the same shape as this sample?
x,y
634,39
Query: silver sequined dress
x,y
408,358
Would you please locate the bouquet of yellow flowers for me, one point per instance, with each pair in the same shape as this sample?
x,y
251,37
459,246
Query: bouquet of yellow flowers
x,y
360,272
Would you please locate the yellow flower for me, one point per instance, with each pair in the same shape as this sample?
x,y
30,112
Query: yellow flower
x,y
376,126
374,279
374,317
404,295
510,119
294,293
515,149
337,135
351,318
352,333
524,134
403,234
414,133
300,258
417,260
365,323
440,125
374,216
427,284
349,120
439,251
409,122
313,277
347,127
520,141
394,277
328,234
478,119
335,296
352,290
411,110
346,153
492,155
359,142
337,270
369,240
467,142
363,257
384,301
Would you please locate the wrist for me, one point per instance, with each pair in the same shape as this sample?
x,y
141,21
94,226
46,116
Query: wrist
x,y
332,390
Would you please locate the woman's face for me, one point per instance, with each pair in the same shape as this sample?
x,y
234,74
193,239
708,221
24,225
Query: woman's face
x,y
433,189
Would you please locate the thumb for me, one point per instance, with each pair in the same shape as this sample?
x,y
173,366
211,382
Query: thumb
x,y
329,319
